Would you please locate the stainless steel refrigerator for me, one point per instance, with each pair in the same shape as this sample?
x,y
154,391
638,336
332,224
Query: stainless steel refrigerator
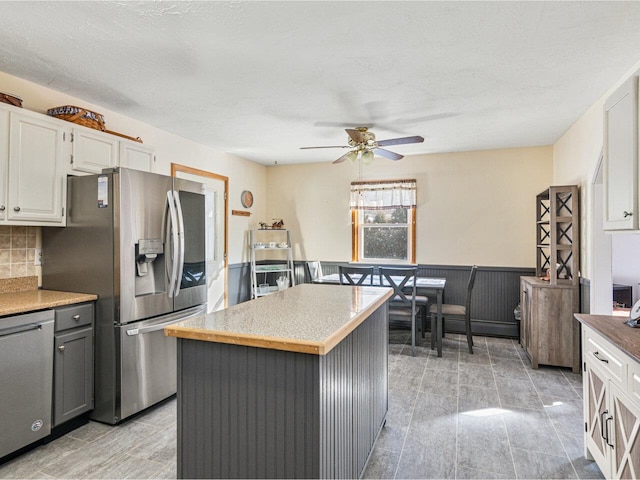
x,y
137,240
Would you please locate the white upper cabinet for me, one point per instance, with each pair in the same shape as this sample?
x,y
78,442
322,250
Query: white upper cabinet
x,y
4,157
137,156
92,151
36,185
621,210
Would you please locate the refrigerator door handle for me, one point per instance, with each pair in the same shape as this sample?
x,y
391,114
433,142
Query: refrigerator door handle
x,y
174,244
181,240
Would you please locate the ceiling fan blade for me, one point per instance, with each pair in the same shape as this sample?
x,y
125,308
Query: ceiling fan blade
x,y
331,146
355,135
388,154
342,158
400,141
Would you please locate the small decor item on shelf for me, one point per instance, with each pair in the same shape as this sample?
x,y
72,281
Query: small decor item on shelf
x,y
282,282
277,225
79,116
11,99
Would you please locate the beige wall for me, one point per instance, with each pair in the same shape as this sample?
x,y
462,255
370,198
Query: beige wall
x,y
473,207
243,174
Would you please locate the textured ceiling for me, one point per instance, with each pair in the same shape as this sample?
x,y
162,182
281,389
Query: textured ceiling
x,y
261,79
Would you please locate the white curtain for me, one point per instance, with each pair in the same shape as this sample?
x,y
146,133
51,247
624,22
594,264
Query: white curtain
x,y
382,195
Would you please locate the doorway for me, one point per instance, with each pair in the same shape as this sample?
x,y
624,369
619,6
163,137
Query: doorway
x,y
216,194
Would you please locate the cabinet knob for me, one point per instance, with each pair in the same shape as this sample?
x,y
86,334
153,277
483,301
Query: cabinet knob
x,y
627,214
17,209
61,348
2,208
76,317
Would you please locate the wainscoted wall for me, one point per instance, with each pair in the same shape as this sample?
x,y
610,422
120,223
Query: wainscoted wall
x,y
585,295
496,292
17,251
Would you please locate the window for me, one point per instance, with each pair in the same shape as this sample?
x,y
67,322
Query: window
x,y
383,219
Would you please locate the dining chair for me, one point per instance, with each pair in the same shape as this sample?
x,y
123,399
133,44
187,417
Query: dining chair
x,y
314,270
403,303
356,275
455,312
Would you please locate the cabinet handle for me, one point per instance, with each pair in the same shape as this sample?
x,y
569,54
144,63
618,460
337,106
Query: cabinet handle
x,y
610,417
602,424
17,209
76,317
597,355
2,208
61,348
627,214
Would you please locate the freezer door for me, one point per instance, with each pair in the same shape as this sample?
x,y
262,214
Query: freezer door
x,y
148,361
192,279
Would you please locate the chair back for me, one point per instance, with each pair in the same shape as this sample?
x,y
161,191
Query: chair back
x,y
472,280
356,275
402,280
314,270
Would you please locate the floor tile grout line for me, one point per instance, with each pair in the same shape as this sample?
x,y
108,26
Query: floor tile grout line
x,y
564,449
504,423
413,409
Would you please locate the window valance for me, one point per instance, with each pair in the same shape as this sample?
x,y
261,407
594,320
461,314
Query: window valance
x,y
382,195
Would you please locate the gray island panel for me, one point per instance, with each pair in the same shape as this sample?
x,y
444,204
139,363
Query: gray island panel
x,y
250,412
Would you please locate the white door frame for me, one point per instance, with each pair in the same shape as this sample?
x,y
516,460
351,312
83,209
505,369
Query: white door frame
x,y
175,168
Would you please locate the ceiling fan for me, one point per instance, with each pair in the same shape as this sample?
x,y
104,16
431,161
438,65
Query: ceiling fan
x,y
364,145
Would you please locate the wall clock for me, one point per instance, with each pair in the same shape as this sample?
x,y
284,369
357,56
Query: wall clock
x,y
247,199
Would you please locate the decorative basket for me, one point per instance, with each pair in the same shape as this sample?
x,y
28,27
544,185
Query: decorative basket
x,y
11,99
80,116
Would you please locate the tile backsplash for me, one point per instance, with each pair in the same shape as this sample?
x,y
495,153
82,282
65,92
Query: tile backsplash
x,y
17,251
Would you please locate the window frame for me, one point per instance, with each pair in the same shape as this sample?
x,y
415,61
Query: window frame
x,y
357,235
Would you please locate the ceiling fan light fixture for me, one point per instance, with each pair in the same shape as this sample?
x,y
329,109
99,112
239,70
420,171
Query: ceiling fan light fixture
x,y
367,157
353,155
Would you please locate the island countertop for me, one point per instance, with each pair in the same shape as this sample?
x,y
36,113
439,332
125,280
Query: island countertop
x,y
306,318
613,329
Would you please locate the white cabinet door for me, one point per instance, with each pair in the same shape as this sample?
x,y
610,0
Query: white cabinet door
x,y
137,156
595,415
4,155
92,151
37,183
621,158
624,433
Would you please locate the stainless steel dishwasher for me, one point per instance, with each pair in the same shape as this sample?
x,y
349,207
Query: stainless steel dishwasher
x,y
26,379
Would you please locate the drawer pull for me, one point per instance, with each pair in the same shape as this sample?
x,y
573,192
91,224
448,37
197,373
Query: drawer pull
x,y
597,355
76,317
61,348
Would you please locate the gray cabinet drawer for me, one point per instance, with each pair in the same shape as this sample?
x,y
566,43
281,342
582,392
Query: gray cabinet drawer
x,y
73,316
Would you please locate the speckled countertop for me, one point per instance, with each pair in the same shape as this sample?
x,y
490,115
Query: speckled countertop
x,y
305,318
613,329
21,295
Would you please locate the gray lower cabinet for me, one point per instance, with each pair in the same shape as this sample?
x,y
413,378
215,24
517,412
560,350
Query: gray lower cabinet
x,y
73,362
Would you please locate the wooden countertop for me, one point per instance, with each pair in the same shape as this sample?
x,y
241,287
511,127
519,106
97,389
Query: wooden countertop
x,y
305,318
31,300
613,329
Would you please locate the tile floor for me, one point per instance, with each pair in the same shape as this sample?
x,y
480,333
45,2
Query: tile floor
x,y
486,415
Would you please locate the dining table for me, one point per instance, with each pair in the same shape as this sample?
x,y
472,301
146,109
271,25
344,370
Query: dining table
x,y
424,286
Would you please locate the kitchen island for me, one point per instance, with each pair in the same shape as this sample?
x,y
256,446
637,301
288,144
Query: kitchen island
x,y
292,385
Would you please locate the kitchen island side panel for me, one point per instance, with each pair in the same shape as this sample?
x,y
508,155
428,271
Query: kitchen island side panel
x,y
246,412
354,400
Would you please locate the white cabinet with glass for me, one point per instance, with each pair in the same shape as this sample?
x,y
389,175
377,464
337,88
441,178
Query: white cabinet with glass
x,y
271,261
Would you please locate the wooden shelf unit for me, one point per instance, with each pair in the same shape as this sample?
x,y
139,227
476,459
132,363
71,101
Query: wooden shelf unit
x,y
558,234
